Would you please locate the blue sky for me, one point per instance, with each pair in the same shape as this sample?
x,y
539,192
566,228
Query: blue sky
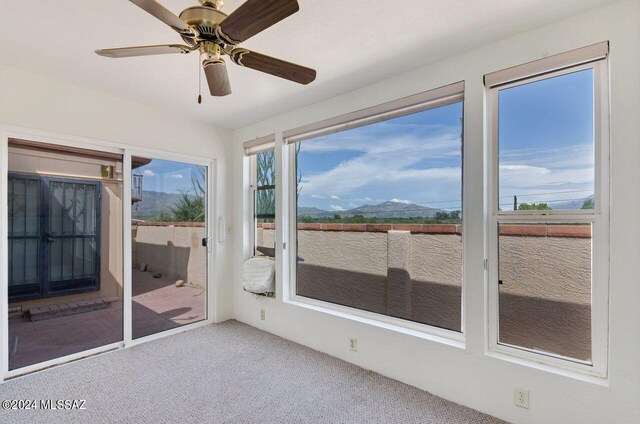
x,y
546,139
167,176
411,159
546,152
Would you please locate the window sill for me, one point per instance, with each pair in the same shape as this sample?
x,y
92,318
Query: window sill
x,y
542,363
413,329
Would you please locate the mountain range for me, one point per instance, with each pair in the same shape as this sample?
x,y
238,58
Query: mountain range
x,y
383,210
571,204
153,203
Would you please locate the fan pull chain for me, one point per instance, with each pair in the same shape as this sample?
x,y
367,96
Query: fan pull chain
x,y
199,84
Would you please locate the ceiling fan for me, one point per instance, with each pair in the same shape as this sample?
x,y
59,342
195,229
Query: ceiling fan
x,y
210,31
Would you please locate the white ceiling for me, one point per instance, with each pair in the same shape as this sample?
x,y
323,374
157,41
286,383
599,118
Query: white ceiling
x,y
351,43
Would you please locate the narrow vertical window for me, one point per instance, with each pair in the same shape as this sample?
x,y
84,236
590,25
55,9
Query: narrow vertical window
x,y
549,213
263,195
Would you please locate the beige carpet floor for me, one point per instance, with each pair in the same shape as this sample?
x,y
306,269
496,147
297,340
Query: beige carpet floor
x,y
226,373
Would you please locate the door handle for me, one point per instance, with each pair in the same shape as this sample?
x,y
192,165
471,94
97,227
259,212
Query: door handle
x,y
48,237
221,230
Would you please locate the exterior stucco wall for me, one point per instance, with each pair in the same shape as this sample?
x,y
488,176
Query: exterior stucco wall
x,y
172,249
266,238
545,295
357,252
436,258
554,268
544,298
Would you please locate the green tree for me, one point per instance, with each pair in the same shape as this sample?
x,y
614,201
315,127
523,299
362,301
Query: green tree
x,y
188,209
588,204
358,219
533,207
162,217
441,216
191,205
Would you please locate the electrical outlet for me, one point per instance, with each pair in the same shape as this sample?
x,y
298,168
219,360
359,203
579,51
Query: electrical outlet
x,y
262,315
521,398
353,344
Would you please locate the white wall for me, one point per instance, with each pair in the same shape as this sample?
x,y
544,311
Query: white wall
x,y
468,375
40,103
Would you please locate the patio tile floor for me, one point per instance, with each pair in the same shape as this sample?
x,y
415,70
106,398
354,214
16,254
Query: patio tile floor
x,y
158,305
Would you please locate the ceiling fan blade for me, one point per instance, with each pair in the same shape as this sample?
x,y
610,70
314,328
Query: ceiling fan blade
x,y
162,13
144,50
217,77
273,66
253,17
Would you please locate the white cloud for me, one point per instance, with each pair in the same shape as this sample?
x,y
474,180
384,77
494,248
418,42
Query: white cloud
x,y
522,169
407,202
350,176
148,173
547,175
575,156
176,176
387,163
381,164
337,208
413,137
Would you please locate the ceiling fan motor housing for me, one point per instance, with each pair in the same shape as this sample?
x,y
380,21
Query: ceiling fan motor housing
x,y
203,20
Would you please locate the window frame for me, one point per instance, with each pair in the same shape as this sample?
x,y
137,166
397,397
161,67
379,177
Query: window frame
x,y
254,188
598,217
253,177
252,149
431,99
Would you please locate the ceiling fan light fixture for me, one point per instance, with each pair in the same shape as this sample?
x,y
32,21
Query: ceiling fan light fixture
x,y
210,31
210,51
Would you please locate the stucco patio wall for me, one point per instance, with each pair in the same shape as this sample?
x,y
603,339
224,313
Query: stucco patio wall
x,y
415,272
173,249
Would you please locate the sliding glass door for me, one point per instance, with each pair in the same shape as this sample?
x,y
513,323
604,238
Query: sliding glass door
x,y
169,244
78,279
64,251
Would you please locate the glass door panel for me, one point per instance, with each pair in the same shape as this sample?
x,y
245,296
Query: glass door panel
x,y
65,251
169,238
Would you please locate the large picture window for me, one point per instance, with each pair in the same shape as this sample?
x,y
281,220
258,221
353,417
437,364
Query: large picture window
x,y
548,270
378,211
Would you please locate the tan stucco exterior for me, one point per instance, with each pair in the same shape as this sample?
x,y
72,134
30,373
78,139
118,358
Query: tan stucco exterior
x,y
172,249
544,298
